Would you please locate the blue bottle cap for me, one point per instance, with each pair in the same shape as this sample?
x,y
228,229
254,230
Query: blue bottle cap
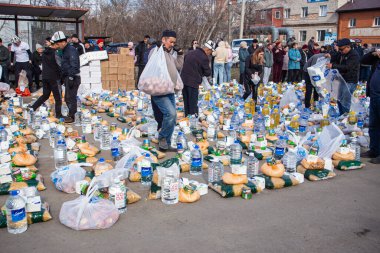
x,y
14,192
101,160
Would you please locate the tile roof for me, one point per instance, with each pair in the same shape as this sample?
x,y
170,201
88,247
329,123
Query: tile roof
x,y
357,5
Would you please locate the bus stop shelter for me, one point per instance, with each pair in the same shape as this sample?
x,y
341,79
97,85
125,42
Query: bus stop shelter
x,y
17,13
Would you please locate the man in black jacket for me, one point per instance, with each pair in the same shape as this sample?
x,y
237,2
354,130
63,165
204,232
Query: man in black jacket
x,y
196,65
139,51
51,75
4,62
70,73
253,47
77,44
373,58
348,64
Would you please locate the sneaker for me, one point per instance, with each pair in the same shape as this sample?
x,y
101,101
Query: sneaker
x,y
163,145
375,160
368,154
69,120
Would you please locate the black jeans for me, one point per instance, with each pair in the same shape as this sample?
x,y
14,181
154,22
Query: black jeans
x,y
374,126
71,93
19,66
50,86
284,73
293,73
250,88
158,115
309,89
36,76
190,100
141,68
4,76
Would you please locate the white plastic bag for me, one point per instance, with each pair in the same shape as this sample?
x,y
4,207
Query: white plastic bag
x,y
289,97
144,128
317,72
256,78
131,139
205,83
4,87
329,140
65,178
155,79
88,212
23,80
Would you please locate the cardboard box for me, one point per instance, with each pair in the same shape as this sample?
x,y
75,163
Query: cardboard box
x,y
104,64
125,58
127,84
113,64
112,77
113,58
105,71
121,77
113,70
125,70
124,50
94,63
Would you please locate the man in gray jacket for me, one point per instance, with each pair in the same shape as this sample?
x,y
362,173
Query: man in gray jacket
x,y
268,62
4,62
164,107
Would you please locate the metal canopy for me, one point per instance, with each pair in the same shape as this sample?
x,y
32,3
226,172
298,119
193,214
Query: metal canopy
x,y
41,11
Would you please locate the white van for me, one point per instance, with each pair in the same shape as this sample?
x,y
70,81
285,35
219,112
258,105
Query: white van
x,y
235,45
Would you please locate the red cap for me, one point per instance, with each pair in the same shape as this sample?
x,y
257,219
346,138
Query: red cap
x,y
99,40
304,46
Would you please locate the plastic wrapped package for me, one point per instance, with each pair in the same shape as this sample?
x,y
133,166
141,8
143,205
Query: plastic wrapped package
x,y
88,212
65,178
329,140
228,190
289,97
4,87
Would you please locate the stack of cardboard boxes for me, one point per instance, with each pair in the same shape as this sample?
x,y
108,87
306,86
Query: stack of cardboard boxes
x,y
118,72
91,76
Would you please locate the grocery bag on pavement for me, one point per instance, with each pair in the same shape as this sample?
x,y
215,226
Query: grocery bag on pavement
x,y
155,79
205,83
289,96
88,212
329,140
65,178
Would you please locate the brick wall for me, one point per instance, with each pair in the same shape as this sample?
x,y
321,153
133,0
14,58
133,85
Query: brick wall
x,y
364,29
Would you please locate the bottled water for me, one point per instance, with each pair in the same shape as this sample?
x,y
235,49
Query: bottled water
x,y
290,161
78,118
37,122
3,134
118,195
152,129
235,120
170,188
30,117
355,147
97,131
173,140
45,127
360,123
211,132
196,161
146,170
193,122
16,213
65,110
115,149
216,171
105,139
59,137
86,125
280,148
181,143
79,103
303,125
60,155
52,135
236,155
252,165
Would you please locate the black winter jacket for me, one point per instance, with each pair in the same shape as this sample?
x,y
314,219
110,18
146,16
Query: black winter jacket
x,y
36,59
50,68
70,62
348,66
196,65
140,50
250,69
373,89
79,47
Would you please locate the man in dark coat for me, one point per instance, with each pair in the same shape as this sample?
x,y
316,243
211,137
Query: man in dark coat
x,y
4,62
140,49
196,65
253,47
77,44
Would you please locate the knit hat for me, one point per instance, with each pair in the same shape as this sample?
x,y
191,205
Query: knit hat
x,y
99,40
210,45
58,37
304,46
344,42
75,36
255,41
169,33
38,46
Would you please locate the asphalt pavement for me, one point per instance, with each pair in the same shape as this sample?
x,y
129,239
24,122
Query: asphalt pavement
x,y
337,215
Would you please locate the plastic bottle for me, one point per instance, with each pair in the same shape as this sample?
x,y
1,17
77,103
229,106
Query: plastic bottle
x,y
105,138
181,143
79,103
52,136
45,127
352,119
236,155
212,132
303,125
280,148
16,213
235,122
170,188
356,147
86,125
30,117
252,165
115,149
216,171
37,122
360,123
146,170
65,109
78,118
60,155
196,161
97,131
3,134
118,195
290,161
173,139
193,122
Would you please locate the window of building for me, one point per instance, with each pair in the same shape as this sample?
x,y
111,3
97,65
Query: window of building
x,y
352,22
277,15
377,21
302,35
323,10
305,12
321,35
287,13
262,14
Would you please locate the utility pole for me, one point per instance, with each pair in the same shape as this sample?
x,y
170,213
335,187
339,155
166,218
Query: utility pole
x,y
242,19
229,21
